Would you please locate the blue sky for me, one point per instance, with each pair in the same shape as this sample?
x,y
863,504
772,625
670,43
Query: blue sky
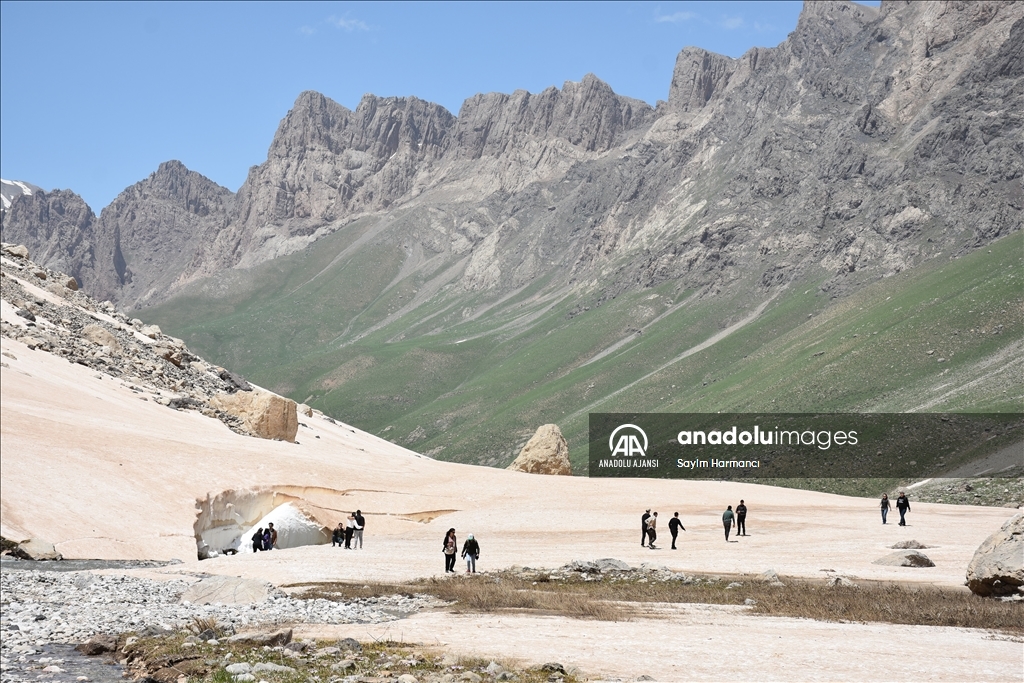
x,y
93,97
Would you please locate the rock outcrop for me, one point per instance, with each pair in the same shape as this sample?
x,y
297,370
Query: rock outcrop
x,y
36,549
997,568
905,558
263,413
57,319
545,453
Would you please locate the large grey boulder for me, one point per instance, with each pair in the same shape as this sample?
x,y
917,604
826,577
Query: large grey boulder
x,y
610,564
905,558
997,568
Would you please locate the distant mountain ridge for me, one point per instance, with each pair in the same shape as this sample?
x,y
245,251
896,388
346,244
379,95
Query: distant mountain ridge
x,y
829,133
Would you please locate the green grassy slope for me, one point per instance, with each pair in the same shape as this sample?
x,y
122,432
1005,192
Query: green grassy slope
x,y
380,338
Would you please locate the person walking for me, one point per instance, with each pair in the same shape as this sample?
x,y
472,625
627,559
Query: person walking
x,y
266,539
643,527
741,519
727,518
674,525
350,529
450,548
273,537
652,530
257,540
338,537
360,525
903,505
471,553
885,506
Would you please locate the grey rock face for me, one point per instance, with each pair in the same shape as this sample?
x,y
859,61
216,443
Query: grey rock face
x,y
870,141
58,228
140,245
150,234
997,568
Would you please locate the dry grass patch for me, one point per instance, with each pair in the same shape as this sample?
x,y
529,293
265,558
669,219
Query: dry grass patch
x,y
615,597
164,659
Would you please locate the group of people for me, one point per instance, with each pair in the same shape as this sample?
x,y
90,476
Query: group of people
x,y
264,539
470,552
649,525
902,504
739,518
350,532
649,529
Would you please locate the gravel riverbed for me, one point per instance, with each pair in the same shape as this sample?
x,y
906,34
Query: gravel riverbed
x,y
43,609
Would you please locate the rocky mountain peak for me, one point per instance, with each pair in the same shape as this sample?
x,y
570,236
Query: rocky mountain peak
x,y
697,77
587,114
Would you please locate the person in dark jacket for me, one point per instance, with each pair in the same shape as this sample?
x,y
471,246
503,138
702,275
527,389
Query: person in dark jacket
x,y
257,540
450,548
643,527
360,524
903,505
741,519
471,553
268,542
338,537
886,506
674,525
727,518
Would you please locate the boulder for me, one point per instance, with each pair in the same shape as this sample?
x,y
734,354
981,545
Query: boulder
x,y
36,549
98,334
909,545
610,564
19,250
272,668
97,645
841,582
264,414
169,354
70,282
151,331
545,453
350,644
272,638
227,590
997,568
905,558
585,566
305,410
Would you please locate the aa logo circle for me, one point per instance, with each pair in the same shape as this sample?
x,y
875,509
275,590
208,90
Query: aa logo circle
x,y
628,442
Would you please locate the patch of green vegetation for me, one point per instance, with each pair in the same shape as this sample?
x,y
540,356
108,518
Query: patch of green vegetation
x,y
357,329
